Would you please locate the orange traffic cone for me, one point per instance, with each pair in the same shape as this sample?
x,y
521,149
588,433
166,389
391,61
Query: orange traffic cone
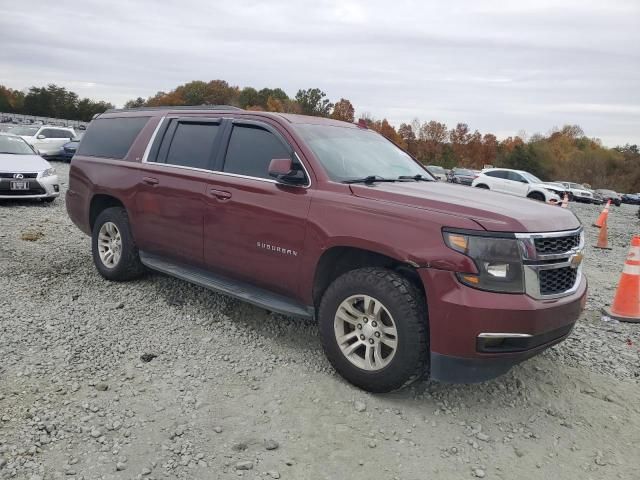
x,y
603,237
626,304
604,214
565,201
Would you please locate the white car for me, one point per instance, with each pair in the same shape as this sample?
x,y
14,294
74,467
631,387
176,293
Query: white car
x,y
46,139
577,192
24,173
438,172
519,183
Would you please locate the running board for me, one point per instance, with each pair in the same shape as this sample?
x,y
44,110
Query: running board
x,y
241,290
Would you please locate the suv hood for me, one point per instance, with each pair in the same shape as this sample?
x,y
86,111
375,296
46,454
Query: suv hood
x,y
554,187
22,163
491,210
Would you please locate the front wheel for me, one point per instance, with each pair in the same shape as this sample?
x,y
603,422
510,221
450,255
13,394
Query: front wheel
x,y
373,325
536,196
482,185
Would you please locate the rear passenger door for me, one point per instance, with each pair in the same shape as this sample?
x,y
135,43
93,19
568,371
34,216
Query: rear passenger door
x,y
498,182
255,227
171,195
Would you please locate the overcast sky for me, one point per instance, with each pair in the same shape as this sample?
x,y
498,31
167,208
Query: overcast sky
x,y
500,66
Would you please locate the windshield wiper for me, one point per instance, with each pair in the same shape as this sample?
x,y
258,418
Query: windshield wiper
x,y
417,178
370,179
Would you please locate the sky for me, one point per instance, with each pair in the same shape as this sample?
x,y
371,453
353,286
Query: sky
x,y
503,67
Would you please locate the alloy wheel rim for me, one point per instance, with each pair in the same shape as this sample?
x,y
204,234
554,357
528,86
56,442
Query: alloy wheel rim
x,y
109,244
366,332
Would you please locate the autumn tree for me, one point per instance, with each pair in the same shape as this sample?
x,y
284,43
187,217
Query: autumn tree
x,y
313,102
343,110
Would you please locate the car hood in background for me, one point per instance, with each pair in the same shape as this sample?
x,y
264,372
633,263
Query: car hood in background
x,y
491,210
22,163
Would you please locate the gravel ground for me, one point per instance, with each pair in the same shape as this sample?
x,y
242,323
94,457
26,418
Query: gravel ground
x,y
158,378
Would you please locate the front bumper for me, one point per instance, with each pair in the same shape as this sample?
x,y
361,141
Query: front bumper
x,y
41,187
458,315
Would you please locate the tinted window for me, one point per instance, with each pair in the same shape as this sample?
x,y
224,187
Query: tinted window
x,y
497,174
516,177
111,137
251,150
55,133
192,145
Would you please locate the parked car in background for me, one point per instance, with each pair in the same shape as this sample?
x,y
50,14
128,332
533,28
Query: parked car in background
x,y
46,139
438,172
610,195
463,176
6,127
24,173
577,192
69,150
598,199
630,198
519,183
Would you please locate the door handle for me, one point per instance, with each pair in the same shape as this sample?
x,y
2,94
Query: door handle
x,y
220,194
150,180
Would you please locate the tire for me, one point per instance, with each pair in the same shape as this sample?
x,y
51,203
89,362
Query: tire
x,y
406,307
128,265
536,196
482,185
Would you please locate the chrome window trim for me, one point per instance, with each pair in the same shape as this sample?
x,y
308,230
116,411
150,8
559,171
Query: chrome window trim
x,y
532,266
145,160
147,150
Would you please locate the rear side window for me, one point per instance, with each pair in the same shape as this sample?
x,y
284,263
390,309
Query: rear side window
x,y
496,174
55,133
111,137
251,150
192,145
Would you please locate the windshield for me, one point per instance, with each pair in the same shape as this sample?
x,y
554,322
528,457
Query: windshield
x,y
26,131
14,145
531,178
462,171
352,153
436,169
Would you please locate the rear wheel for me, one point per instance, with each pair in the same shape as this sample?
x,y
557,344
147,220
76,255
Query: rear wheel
x,y
114,252
482,185
373,325
536,196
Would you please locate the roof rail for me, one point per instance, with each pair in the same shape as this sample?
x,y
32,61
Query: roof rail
x,y
176,107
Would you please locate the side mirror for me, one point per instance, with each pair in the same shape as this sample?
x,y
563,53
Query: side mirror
x,y
41,137
284,171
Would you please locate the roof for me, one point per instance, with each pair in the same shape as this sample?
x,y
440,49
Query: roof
x,y
289,117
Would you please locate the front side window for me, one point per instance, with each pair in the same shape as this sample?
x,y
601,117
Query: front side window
x,y
14,146
352,153
251,150
516,177
192,145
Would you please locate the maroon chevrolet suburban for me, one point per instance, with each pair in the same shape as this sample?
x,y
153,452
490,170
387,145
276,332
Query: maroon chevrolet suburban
x,y
312,217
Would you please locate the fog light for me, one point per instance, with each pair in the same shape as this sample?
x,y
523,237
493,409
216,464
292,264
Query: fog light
x,y
497,270
56,188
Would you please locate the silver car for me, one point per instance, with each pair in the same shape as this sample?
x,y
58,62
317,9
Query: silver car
x,y
24,173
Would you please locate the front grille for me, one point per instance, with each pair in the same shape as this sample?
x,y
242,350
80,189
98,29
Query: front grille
x,y
555,245
557,280
24,175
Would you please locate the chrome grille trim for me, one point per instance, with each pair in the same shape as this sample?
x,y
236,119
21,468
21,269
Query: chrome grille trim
x,y
534,262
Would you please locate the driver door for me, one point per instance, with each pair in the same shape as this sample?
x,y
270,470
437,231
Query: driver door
x,y
517,184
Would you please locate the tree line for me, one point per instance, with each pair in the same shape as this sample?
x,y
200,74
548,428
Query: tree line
x,y
562,154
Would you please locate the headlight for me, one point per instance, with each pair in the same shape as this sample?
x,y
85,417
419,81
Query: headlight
x,y
498,260
48,172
